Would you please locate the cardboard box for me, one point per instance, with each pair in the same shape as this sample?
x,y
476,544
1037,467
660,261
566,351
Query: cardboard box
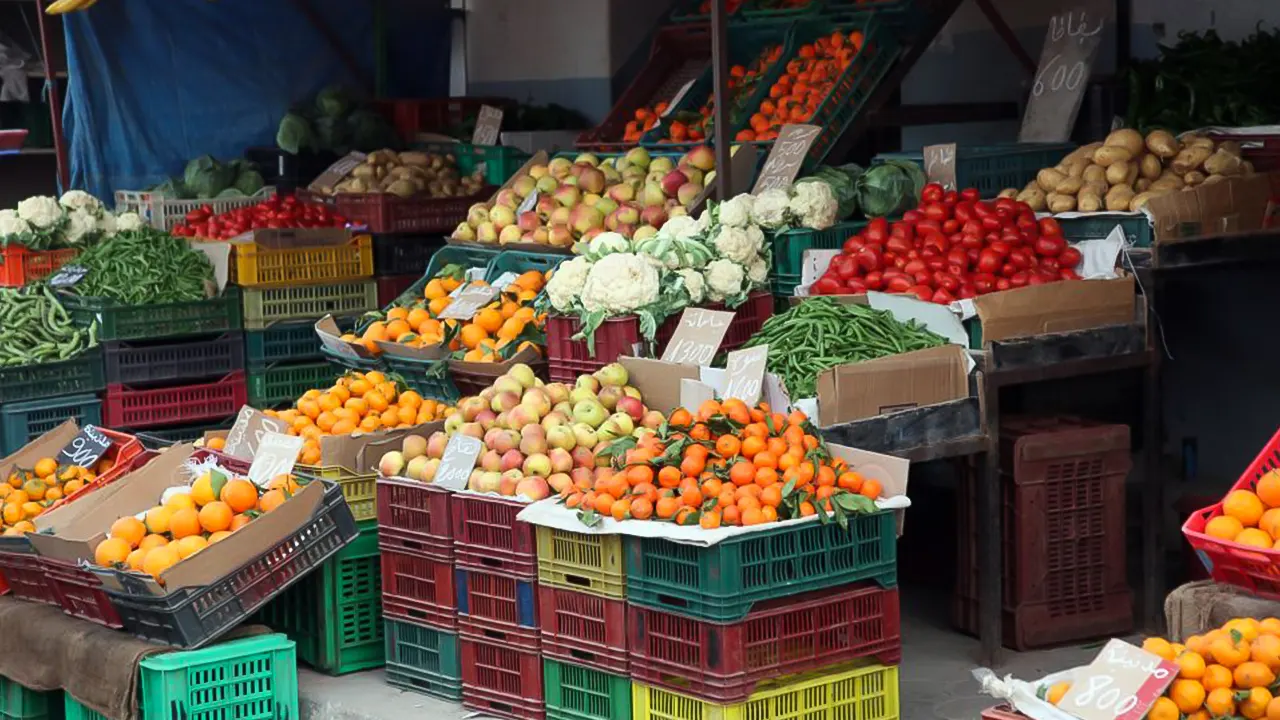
x,y
291,238
346,451
46,446
897,382
1237,204
1055,308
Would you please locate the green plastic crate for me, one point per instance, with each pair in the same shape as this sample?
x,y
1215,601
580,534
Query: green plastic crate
x,y
789,247
335,613
276,385
164,437
20,423
519,261
992,168
288,342
720,583
500,161
140,322
263,307
574,692
903,16
423,659
83,373
1137,228
427,377
19,703
255,677
74,710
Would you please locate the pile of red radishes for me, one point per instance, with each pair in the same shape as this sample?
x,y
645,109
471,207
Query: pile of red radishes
x,y
954,246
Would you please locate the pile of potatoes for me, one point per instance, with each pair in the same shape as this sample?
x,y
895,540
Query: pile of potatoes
x,y
407,174
1126,170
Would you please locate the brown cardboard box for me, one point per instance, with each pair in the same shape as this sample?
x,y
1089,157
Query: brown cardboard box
x,y
658,381
1237,204
898,382
47,445
1056,307
289,238
889,470
346,451
330,336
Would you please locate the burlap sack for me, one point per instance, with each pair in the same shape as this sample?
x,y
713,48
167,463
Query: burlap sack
x,y
1201,606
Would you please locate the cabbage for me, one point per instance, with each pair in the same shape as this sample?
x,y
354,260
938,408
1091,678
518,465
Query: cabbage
x,y
249,182
230,192
206,177
294,133
888,189
332,102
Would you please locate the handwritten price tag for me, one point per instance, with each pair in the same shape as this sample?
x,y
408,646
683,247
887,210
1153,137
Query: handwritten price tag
x,y
940,164
698,336
85,449
675,100
744,371
528,204
488,125
247,432
67,276
1121,683
471,299
458,461
1065,64
786,157
277,454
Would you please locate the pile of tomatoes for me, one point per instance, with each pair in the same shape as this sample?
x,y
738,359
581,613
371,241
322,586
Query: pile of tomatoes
x,y
277,212
954,246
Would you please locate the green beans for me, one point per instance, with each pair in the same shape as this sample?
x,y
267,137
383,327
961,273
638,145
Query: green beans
x,y
144,267
821,333
35,328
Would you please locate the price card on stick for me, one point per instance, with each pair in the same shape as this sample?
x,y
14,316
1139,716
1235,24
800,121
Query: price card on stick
x,y
786,157
527,204
1121,683
277,453
675,100
1065,65
940,164
488,125
458,461
472,298
698,336
85,449
744,374
246,434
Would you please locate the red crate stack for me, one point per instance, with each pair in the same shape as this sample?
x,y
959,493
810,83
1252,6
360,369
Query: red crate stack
x,y
499,608
487,536
417,553
501,680
583,628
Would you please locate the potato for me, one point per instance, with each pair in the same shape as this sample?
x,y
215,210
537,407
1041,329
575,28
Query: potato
x,y
1191,140
1108,155
1095,173
358,185
1162,143
1139,200
1191,158
364,171
1141,185
1118,173
1008,193
1222,162
1088,201
1132,175
1215,178
1035,197
1069,186
1171,176
1195,177
1230,146
1118,199
1076,168
1150,167
1246,168
1049,178
1126,138
1097,187
1061,203
414,158
1033,185
1084,152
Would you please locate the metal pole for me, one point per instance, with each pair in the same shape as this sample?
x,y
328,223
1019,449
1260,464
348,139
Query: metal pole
x,y
720,91
55,102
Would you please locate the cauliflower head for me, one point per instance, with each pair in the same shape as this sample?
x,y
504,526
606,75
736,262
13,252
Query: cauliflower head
x,y
770,210
566,283
607,243
107,224
80,200
41,212
724,279
11,225
736,212
737,244
620,284
81,226
758,271
680,226
694,284
128,221
814,205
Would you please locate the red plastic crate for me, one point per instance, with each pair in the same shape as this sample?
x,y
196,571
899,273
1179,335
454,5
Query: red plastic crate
x,y
498,608
416,512
1063,505
680,53
615,338
723,663
80,593
416,585
501,681
126,454
126,406
387,213
390,287
437,115
19,266
582,628
25,574
13,139
1261,150
487,536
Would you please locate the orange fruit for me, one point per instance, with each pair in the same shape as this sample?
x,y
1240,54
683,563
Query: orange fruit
x,y
240,495
1216,676
219,536
45,467
1244,506
1253,674
1056,691
129,529
1158,646
180,501
1254,705
1191,665
159,560
1268,489
1188,695
1220,702
134,561
1229,652
1266,649
215,516
271,500
111,552
191,545
1255,538
184,523
158,520
1163,709
239,521
1270,522
151,542
1273,709
1223,527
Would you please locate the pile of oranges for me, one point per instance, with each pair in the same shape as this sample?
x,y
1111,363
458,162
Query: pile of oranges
x,y
646,119
493,334
358,401
1250,517
28,493
738,466
187,522
688,127
797,93
1227,672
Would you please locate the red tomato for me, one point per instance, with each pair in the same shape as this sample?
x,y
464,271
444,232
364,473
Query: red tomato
x,y
874,280
1069,257
932,193
1050,226
924,292
826,285
876,231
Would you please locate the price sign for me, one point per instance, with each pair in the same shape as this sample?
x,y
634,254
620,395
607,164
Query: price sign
x,y
68,275
744,373
85,449
675,100
340,169
488,125
471,299
940,164
1121,683
528,204
1065,65
276,455
698,336
786,157
246,434
458,461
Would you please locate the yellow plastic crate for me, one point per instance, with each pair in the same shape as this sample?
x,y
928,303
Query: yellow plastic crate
x,y
260,265
843,692
358,489
578,561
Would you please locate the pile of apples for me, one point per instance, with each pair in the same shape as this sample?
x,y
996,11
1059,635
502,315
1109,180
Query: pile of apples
x,y
539,437
631,194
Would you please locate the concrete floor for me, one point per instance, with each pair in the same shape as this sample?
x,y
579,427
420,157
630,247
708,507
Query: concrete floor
x,y
935,679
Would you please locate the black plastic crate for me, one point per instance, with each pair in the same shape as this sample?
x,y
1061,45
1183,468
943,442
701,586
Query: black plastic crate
x,y
404,253
131,362
285,171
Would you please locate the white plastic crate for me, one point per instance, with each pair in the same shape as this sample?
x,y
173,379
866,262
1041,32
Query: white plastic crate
x,y
163,213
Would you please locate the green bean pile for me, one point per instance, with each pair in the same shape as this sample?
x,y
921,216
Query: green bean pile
x,y
35,328
821,333
144,267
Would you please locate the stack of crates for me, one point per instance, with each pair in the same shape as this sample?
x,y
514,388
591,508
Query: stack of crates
x,y
35,399
399,260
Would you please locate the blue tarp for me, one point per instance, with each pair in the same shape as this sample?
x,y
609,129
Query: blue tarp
x,y
156,83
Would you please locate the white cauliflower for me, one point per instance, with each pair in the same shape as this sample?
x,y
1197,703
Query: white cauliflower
x,y
620,284
607,243
758,271
565,286
694,284
736,212
128,221
724,280
107,224
756,236
770,209
679,226
11,225
81,226
814,205
41,211
735,244
80,200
